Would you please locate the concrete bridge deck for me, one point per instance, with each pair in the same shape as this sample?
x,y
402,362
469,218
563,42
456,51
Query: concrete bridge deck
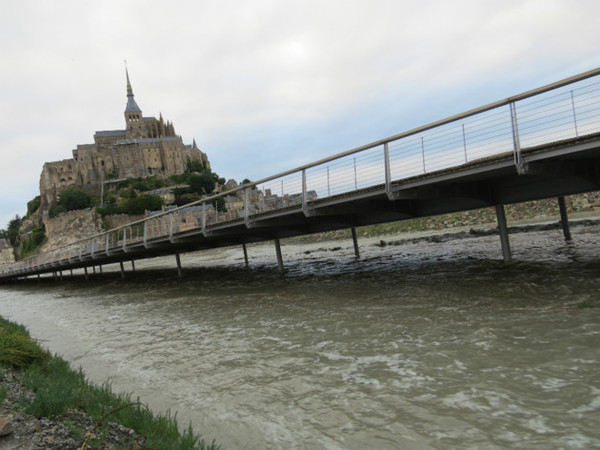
x,y
541,144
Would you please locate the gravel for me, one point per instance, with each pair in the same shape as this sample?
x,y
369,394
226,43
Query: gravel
x,y
69,431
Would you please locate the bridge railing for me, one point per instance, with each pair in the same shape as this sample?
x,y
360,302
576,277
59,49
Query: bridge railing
x,y
566,109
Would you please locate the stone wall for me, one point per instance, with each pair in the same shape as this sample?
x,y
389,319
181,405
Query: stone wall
x,y
6,252
119,220
71,227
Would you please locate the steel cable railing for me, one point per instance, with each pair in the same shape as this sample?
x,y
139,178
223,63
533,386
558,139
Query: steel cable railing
x,y
563,110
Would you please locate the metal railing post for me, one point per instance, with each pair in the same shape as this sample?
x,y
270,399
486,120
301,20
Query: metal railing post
x,y
304,194
124,239
574,114
388,171
246,208
519,163
464,142
171,228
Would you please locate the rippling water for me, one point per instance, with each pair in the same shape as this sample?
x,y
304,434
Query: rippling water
x,y
415,346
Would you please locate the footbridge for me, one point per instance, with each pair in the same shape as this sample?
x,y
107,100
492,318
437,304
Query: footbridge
x,y
540,144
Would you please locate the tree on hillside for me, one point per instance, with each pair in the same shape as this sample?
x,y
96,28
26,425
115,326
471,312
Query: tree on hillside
x,y
195,166
12,232
33,205
74,198
141,204
203,183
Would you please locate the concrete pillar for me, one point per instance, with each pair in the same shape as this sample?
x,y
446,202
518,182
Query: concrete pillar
x,y
178,259
122,270
355,242
501,217
86,272
133,265
564,218
246,256
100,267
279,258
94,270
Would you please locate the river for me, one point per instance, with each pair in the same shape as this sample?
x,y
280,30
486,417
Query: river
x,y
422,344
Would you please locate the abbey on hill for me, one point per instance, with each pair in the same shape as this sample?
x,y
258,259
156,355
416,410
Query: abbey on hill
x,y
147,146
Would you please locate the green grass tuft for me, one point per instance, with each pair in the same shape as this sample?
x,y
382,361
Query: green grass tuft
x,y
58,388
17,349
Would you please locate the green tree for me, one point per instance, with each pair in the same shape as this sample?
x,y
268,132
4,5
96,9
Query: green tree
x,y
55,210
203,183
12,232
141,204
74,198
33,205
195,166
33,241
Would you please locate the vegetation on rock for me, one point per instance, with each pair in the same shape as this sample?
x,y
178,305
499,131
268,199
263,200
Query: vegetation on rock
x,y
71,199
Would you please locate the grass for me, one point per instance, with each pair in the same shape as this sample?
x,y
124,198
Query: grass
x,y
58,388
17,349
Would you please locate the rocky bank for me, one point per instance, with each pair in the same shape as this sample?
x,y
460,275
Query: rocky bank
x,y
69,431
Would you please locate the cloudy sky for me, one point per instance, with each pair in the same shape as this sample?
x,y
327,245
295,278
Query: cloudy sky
x,y
267,85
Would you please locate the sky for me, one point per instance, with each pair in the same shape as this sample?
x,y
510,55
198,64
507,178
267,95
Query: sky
x,y
267,85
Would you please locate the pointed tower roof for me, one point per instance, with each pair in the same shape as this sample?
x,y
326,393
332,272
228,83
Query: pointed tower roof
x,y
132,106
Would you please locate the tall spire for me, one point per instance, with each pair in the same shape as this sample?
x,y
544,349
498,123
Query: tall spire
x,y
131,104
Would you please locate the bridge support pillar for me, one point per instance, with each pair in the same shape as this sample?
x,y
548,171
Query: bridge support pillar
x,y
100,267
122,270
61,275
355,242
86,272
71,272
501,217
279,258
178,259
564,218
246,256
133,265
94,270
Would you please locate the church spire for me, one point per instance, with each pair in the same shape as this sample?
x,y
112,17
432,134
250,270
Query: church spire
x,y
133,114
132,106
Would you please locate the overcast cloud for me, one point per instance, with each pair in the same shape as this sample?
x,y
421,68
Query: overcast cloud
x,y
267,85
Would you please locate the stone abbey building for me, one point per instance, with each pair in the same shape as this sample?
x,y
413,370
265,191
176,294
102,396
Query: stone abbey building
x,y
147,146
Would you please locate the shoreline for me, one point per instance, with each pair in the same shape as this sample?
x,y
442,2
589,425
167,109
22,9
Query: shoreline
x,y
44,403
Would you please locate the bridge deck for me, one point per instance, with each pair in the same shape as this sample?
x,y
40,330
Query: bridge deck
x,y
496,171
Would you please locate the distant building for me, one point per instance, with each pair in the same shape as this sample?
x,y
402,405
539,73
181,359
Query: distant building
x,y
6,252
147,146
167,195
